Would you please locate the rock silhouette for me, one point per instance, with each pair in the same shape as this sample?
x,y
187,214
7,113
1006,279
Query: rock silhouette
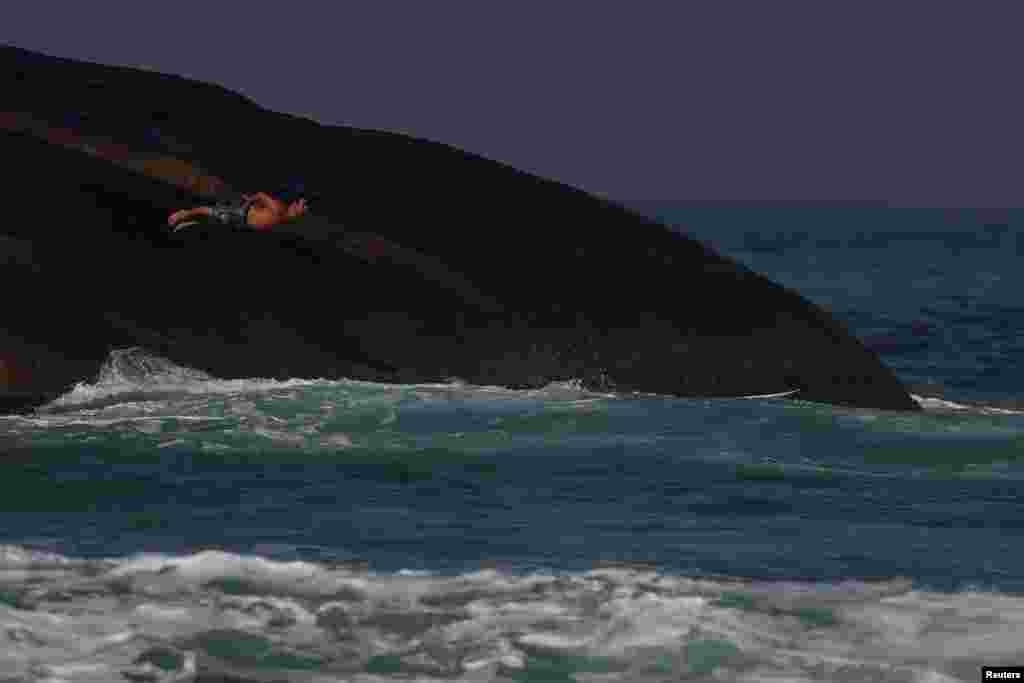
x,y
418,262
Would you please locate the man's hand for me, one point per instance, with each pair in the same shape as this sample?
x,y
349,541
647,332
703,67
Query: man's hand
x,y
186,214
179,216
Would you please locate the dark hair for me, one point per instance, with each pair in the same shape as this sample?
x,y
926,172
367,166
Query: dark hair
x,y
293,191
290,192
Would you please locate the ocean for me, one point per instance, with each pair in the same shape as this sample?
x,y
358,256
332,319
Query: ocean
x,y
160,524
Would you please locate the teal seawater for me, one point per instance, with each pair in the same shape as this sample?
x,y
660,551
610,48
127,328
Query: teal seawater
x,y
745,488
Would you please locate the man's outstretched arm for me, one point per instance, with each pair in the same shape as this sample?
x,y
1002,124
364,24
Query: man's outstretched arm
x,y
188,215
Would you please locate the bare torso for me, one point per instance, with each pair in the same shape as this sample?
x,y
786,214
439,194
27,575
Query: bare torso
x,y
266,212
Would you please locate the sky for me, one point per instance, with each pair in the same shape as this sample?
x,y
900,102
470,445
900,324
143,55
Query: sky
x,y
918,102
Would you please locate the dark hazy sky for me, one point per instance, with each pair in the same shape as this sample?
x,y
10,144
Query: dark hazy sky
x,y
918,102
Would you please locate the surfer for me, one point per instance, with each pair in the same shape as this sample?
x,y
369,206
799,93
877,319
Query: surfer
x,y
259,211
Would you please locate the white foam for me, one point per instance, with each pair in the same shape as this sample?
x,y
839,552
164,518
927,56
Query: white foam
x,y
214,564
942,405
473,625
555,642
16,557
138,380
83,393
162,613
150,423
138,373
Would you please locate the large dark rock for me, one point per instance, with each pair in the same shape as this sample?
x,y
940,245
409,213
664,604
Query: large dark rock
x,y
419,263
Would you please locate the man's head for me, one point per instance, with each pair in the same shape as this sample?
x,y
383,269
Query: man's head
x,y
295,198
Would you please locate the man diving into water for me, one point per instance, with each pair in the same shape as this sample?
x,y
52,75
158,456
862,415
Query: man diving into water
x,y
259,211
166,159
